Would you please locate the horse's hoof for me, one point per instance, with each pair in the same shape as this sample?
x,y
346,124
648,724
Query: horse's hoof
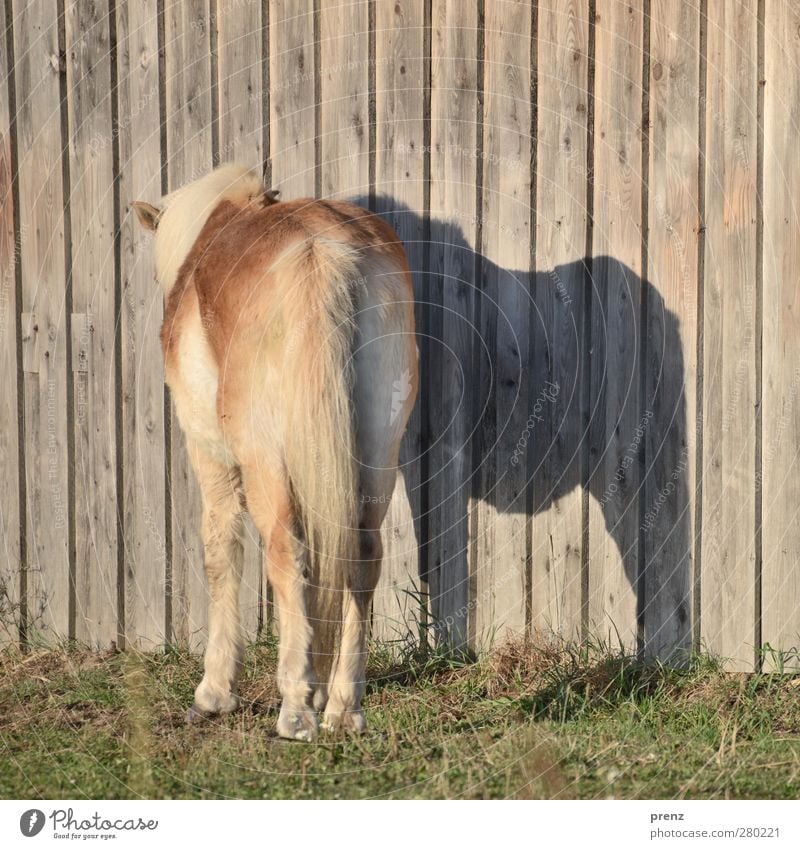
x,y
298,725
195,715
349,722
214,702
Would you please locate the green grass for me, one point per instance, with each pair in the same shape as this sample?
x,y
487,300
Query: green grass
x,y
532,720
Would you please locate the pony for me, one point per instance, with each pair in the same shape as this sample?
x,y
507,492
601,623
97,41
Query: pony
x,y
288,328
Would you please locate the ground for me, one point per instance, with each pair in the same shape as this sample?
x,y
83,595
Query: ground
x,y
532,720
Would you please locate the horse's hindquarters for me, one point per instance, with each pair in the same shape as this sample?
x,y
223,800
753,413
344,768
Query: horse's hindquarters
x,y
385,385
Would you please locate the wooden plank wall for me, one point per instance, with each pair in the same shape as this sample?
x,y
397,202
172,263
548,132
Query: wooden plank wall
x,y
94,308
730,393
502,544
671,325
562,217
146,593
44,321
599,203
616,291
780,494
454,383
11,543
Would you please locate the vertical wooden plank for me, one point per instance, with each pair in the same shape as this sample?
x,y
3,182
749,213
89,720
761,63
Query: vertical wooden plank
x,y
616,270
671,365
781,336
344,98
502,543
557,334
45,324
189,156
454,157
729,393
400,193
143,434
93,323
292,97
240,83
241,133
10,543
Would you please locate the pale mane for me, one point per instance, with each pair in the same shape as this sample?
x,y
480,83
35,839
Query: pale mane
x,y
186,210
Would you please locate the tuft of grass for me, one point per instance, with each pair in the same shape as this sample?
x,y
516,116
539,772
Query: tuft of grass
x,y
535,718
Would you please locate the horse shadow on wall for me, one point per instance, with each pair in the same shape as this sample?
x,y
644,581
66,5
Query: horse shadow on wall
x,y
594,418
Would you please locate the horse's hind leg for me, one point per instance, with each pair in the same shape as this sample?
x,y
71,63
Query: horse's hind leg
x,y
349,677
269,505
222,539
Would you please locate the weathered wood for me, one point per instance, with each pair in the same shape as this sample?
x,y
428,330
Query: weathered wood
x,y
557,330
502,582
292,121
614,407
143,435
399,189
671,364
454,336
470,134
780,583
10,542
189,156
240,119
91,205
42,261
344,99
729,336
240,84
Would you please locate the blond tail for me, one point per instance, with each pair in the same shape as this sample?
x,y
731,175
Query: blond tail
x,y
318,311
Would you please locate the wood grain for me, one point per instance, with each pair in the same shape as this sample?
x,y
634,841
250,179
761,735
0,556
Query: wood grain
x,y
781,352
671,364
93,304
615,408
45,322
344,99
594,527
292,123
454,334
557,331
502,581
145,516
10,458
729,337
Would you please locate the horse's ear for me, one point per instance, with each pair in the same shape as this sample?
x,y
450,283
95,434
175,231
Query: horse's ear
x,y
271,195
147,214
